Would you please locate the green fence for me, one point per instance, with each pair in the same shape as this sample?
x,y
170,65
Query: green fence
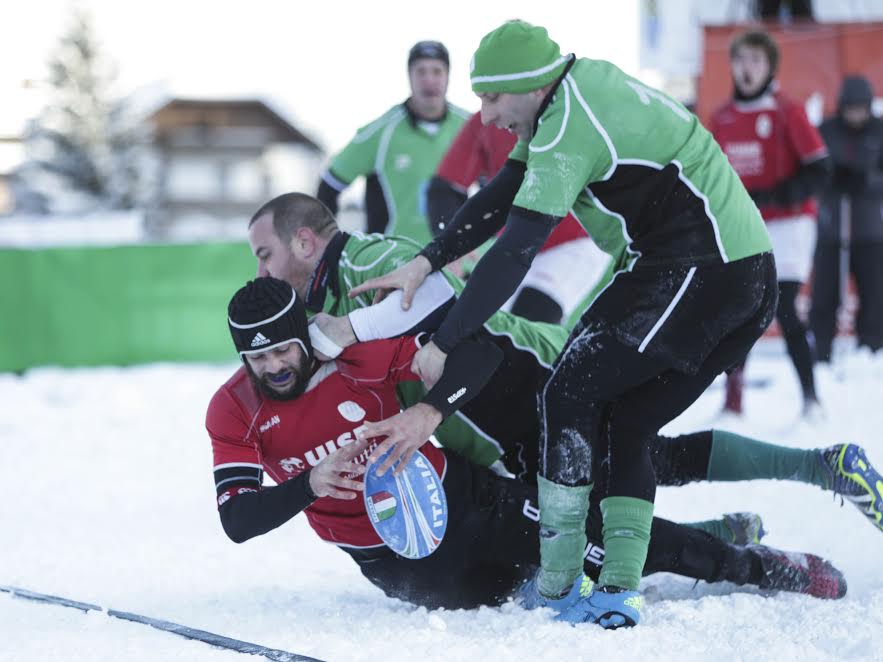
x,y
118,305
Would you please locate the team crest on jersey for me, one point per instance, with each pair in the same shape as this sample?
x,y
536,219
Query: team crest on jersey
x,y
351,411
763,126
402,161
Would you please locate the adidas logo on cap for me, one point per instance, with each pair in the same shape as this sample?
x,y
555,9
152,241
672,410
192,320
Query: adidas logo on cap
x,y
259,340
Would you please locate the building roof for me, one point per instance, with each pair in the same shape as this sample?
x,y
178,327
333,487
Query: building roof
x,y
228,112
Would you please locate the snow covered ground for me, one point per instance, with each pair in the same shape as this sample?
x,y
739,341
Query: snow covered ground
x,y
108,498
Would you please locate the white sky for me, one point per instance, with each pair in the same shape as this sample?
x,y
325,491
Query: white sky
x,y
334,64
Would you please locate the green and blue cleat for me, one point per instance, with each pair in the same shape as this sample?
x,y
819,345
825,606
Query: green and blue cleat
x,y
854,478
530,597
608,607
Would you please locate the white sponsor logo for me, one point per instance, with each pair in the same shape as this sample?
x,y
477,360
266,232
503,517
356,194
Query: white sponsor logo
x,y
266,425
594,554
746,149
320,452
745,157
351,411
259,340
229,494
530,511
763,126
459,394
402,161
291,464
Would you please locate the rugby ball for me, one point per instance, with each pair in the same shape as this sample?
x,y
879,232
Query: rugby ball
x,y
409,511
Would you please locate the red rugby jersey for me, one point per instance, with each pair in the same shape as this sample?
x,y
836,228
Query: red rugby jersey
x,y
766,141
286,437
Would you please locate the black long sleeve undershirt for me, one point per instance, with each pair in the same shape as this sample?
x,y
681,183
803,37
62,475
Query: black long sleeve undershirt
x,y
249,514
466,372
497,275
443,200
478,219
809,180
327,195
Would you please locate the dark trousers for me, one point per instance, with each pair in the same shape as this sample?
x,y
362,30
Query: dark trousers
x,y
794,333
866,265
614,386
492,545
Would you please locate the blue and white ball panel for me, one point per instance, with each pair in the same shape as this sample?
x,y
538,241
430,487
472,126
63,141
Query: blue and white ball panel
x,y
408,511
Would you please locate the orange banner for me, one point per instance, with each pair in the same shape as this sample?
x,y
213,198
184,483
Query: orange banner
x,y
814,58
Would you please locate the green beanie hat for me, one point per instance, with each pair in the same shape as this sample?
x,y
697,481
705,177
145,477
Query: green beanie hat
x,y
516,58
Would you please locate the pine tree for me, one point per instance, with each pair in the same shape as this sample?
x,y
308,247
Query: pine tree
x,y
86,151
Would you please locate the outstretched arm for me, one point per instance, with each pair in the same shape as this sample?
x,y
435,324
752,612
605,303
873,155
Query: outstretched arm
x,y
386,319
494,280
497,275
475,222
251,510
468,370
478,219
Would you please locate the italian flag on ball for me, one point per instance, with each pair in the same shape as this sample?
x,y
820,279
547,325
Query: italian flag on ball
x,y
384,505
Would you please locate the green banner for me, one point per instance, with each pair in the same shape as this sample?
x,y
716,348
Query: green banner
x,y
118,305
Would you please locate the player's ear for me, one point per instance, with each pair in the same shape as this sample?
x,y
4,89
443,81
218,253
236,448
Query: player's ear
x,y
303,243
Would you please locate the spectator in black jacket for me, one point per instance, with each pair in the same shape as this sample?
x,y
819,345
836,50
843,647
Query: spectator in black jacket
x,y
855,192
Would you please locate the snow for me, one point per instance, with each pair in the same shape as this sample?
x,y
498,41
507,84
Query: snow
x,y
119,228
103,228
110,500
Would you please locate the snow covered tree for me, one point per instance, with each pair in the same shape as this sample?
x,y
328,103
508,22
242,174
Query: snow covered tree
x,y
86,151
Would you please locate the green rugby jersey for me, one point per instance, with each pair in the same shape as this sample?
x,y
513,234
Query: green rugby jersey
x,y
638,170
398,153
366,256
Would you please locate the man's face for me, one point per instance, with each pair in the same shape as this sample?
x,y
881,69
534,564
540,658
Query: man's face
x,y
856,115
281,373
750,68
277,258
514,112
429,80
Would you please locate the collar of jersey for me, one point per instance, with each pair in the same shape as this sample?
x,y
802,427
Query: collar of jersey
x,y
413,118
548,99
325,274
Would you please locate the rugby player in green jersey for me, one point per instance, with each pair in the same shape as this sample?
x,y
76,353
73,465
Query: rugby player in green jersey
x,y
295,238
399,152
694,289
